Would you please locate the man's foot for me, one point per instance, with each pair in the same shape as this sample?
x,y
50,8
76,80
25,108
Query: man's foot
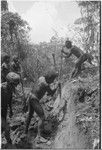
x,y
41,140
49,107
38,144
48,143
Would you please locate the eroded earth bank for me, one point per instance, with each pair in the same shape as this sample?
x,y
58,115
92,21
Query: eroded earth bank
x,y
74,121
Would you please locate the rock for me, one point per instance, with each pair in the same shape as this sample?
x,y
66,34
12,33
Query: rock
x,y
49,143
17,122
96,144
86,119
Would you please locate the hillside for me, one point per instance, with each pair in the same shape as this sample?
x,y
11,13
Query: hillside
x,y
80,127
74,121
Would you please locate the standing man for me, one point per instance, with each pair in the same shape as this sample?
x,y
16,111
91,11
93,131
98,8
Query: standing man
x,y
7,89
34,100
15,67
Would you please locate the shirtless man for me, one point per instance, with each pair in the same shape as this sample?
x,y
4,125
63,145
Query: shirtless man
x,y
72,50
15,66
7,89
82,57
35,97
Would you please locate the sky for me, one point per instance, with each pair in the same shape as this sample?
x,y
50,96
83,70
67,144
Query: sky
x,y
46,17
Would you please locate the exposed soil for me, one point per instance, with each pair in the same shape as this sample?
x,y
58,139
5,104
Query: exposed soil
x,y
72,123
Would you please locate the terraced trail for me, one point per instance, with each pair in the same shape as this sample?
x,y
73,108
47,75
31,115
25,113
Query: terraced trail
x,y
68,134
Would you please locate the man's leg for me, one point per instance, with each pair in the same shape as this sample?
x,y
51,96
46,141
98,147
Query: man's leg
x,y
7,133
5,126
74,72
40,122
30,114
83,67
39,110
10,106
78,71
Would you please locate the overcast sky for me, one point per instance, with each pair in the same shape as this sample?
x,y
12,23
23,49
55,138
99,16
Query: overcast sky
x,y
44,16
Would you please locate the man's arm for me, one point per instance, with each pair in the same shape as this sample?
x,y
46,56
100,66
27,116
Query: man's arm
x,y
90,60
10,106
12,67
67,54
19,68
51,92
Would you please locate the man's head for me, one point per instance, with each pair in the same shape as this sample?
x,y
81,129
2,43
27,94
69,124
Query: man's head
x,y
13,79
5,58
15,59
90,57
50,76
68,44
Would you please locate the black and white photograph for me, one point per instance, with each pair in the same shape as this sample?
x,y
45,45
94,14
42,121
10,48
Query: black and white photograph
x,y
50,74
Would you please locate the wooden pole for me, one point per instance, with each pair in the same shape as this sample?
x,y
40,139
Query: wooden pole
x,y
60,76
53,55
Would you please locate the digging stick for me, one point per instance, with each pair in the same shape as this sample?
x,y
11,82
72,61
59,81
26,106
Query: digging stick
x,y
53,55
60,76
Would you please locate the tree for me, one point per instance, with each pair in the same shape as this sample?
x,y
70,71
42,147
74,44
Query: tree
x,y
14,33
4,5
90,24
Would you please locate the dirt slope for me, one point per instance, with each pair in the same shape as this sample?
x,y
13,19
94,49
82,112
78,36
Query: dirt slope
x,y
71,135
70,112
68,135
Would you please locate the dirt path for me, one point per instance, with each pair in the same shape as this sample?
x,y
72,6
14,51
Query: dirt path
x,y
68,135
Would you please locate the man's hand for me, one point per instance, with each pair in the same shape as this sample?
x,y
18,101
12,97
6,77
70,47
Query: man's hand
x,y
92,64
59,85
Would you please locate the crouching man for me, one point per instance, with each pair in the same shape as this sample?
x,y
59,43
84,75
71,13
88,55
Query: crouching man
x,y
35,97
81,56
7,89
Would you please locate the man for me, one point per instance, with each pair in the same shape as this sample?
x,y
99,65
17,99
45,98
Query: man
x,y
5,67
72,50
7,89
82,57
35,97
15,66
